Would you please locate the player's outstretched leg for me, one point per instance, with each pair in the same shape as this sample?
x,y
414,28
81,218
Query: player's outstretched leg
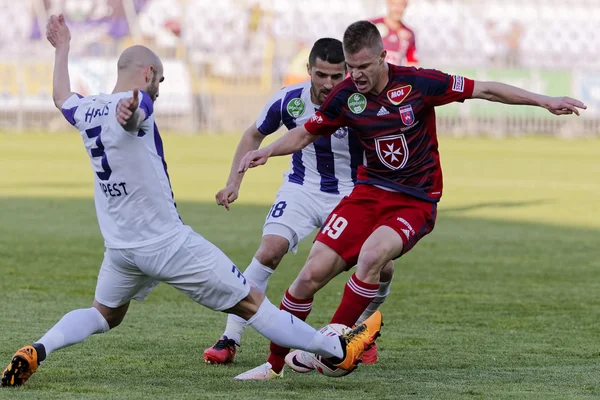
x,y
74,327
356,341
322,265
273,368
272,249
287,331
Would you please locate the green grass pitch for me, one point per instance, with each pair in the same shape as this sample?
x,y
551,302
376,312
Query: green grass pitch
x,y
500,301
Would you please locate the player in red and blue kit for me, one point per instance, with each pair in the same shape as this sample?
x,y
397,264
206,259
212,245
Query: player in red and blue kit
x,y
393,204
398,39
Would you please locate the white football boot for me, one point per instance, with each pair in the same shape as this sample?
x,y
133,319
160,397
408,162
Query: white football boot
x,y
260,373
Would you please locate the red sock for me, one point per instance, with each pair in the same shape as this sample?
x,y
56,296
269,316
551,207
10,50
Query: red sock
x,y
298,308
357,297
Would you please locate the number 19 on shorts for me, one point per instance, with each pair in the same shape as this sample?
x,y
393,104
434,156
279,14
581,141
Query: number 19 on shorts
x,y
335,226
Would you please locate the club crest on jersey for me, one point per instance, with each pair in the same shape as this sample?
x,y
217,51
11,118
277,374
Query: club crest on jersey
x,y
407,115
295,107
399,94
392,151
357,103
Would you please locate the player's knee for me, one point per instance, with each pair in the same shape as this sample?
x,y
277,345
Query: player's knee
x,y
271,251
248,306
113,316
308,282
114,321
387,273
371,259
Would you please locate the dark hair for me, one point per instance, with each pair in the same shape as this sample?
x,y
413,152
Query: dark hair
x,y
327,49
362,34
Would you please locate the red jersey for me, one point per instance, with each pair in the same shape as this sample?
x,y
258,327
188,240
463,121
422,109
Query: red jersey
x,y
400,44
396,128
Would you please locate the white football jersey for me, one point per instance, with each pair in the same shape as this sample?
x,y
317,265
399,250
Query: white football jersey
x,y
133,196
329,164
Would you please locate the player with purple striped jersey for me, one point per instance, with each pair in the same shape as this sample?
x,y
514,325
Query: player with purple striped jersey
x,y
146,241
320,175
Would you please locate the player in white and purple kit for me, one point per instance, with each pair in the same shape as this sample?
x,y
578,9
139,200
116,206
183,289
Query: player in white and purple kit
x,y
320,175
146,241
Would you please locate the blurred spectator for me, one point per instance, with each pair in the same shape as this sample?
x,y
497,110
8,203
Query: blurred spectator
x,y
160,24
503,44
398,39
98,24
513,45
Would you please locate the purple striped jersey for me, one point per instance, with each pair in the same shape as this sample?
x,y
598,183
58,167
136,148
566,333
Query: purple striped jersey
x,y
330,163
132,191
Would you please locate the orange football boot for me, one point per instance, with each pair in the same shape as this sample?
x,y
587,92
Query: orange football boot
x,y
23,364
360,339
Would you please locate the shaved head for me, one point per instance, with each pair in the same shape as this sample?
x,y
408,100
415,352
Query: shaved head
x,y
136,57
140,67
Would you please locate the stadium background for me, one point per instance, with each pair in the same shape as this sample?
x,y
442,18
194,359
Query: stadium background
x,y
224,58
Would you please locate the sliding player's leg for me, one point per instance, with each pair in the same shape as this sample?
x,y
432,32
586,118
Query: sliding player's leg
x,y
204,273
322,265
119,281
287,331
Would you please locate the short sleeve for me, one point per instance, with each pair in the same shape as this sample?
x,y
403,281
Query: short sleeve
x,y
69,108
329,117
146,104
439,88
270,119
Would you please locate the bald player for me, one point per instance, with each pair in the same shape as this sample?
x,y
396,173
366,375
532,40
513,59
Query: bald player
x,y
146,241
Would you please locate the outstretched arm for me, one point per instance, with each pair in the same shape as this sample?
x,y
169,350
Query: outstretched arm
x,y
250,141
59,36
293,141
507,94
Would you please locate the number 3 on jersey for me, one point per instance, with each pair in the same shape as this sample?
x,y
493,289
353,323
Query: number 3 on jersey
x,y
98,151
335,226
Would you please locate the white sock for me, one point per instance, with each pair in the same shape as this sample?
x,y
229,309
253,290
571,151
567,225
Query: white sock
x,y
382,293
258,275
286,330
74,327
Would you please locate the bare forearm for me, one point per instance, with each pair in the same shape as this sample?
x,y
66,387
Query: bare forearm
x,y
249,141
507,94
293,141
61,83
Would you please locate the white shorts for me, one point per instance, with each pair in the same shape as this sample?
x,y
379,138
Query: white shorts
x,y
186,261
297,212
